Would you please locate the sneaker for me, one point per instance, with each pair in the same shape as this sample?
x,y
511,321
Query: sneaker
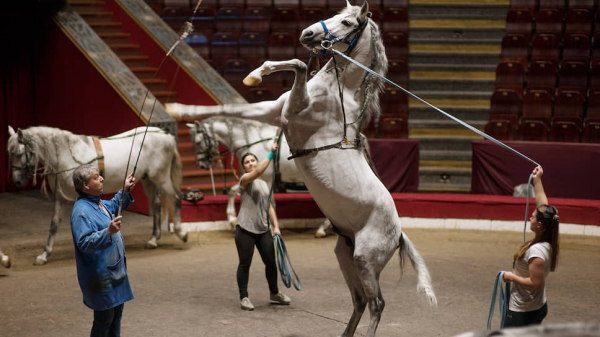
x,y
246,304
280,298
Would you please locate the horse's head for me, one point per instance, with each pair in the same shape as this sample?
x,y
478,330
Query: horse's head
x,y
22,156
341,30
205,145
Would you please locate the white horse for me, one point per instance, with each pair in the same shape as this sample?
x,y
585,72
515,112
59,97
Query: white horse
x,y
60,152
240,136
323,134
4,260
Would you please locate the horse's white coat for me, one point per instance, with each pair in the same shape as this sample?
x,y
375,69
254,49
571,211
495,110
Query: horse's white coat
x,y
159,169
340,181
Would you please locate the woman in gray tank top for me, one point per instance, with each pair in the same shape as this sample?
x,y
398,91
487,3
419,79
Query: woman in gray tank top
x,y
532,263
252,229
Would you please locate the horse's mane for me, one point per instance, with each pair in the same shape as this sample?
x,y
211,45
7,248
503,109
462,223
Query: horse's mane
x,y
373,86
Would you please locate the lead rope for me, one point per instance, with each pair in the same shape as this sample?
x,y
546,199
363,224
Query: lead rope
x,y
502,300
284,264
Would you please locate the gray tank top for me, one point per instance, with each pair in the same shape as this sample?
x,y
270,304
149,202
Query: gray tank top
x,y
253,208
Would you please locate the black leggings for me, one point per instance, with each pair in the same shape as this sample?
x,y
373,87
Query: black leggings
x,y
245,242
516,319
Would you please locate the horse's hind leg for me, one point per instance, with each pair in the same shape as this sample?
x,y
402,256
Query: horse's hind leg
x,y
4,260
42,259
322,230
344,252
154,197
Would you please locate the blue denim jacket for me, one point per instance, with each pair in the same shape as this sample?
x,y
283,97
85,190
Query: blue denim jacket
x,y
100,258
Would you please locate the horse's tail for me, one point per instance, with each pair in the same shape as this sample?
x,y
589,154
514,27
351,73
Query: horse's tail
x,y
176,171
424,280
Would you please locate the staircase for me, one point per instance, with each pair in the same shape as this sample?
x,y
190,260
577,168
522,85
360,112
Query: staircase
x,y
454,47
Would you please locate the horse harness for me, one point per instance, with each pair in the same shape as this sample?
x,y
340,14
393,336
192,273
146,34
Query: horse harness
x,y
330,40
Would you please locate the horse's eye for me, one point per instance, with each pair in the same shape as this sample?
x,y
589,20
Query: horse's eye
x,y
346,23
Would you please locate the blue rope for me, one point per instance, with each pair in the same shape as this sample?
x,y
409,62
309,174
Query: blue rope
x,y
502,301
288,274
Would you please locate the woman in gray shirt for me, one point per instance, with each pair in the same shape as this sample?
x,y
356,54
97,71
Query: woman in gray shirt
x,y
252,229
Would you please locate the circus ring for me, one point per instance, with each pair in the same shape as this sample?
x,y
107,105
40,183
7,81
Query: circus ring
x,y
189,289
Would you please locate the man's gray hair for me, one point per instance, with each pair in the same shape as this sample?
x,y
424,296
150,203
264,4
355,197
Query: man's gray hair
x,y
82,174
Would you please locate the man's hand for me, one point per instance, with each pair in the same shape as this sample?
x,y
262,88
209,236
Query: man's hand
x,y
115,225
129,183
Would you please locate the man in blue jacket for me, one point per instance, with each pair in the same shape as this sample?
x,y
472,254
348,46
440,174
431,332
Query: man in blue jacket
x,y
99,249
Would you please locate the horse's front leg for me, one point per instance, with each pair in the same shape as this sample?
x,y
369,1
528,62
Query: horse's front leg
x,y
231,216
298,99
42,259
266,111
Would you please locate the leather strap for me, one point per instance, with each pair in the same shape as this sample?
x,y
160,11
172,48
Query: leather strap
x,y
99,155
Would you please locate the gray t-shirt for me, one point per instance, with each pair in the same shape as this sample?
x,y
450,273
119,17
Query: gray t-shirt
x,y
253,209
521,299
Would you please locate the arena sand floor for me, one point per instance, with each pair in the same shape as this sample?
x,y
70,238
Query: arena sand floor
x,y
190,289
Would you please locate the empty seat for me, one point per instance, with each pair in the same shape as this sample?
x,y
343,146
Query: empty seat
x,y
314,4
229,20
284,20
529,5
234,72
239,4
552,4
593,107
533,131
398,72
336,5
394,102
204,19
256,20
549,21
395,20
581,4
500,129
573,75
199,43
569,106
576,47
510,75
260,3
565,131
505,105
393,127
212,4
293,4
545,47
223,46
537,105
579,21
515,48
175,17
253,48
308,16
542,76
392,3
396,45
591,133
281,47
519,21
258,94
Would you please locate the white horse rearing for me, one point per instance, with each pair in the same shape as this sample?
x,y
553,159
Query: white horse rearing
x,y
335,172
60,152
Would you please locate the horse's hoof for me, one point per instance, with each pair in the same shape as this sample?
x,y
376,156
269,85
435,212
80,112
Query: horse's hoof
x,y
252,80
5,262
320,234
40,260
183,237
233,223
151,245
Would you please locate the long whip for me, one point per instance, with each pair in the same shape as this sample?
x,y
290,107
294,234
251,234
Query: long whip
x,y
186,29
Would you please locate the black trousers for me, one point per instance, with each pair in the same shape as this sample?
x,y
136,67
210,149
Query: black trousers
x,y
516,319
245,242
107,323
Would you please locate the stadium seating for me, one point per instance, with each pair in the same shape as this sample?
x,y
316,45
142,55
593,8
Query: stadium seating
x,y
576,47
500,129
519,22
505,105
565,131
510,75
542,76
549,21
256,20
515,48
537,105
533,131
569,106
546,47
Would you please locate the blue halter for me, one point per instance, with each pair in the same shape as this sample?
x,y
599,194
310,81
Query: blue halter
x,y
331,39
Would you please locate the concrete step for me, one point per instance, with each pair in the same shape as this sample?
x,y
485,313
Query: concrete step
x,y
115,38
421,84
155,84
445,155
144,72
468,110
446,176
440,94
125,49
444,188
454,54
443,124
93,16
429,143
451,67
457,34
135,61
445,163
457,11
106,27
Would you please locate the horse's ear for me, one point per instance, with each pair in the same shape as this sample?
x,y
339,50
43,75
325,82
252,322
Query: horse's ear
x,y
197,124
364,10
348,3
11,131
20,133
189,125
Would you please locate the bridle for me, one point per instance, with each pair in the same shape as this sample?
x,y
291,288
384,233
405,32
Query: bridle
x,y
29,153
331,39
207,146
